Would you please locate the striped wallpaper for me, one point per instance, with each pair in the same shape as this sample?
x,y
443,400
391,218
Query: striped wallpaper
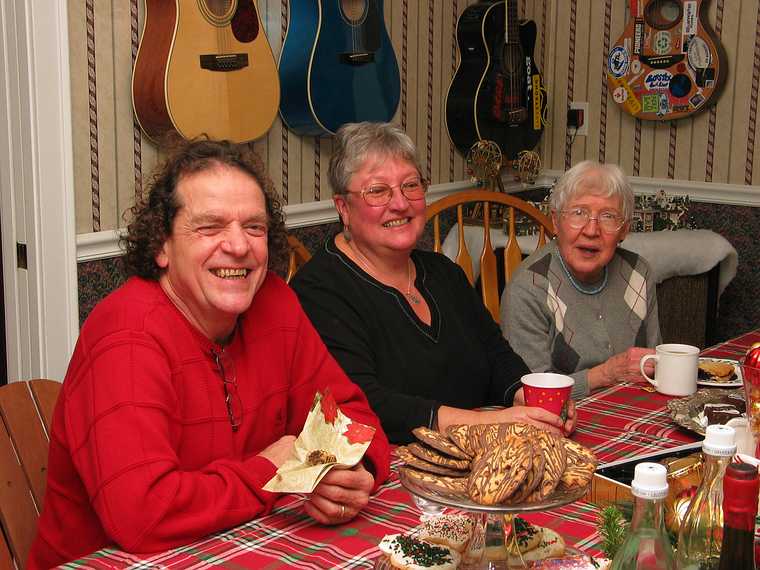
x,y
113,160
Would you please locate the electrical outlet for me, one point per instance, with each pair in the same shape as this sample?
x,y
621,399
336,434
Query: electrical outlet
x,y
583,108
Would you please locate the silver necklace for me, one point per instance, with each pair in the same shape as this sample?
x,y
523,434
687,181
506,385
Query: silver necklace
x,y
580,287
413,297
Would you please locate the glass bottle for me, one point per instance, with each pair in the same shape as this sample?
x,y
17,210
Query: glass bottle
x,y
647,546
701,532
740,488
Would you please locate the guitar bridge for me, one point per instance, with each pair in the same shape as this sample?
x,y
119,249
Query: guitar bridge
x,y
357,58
224,61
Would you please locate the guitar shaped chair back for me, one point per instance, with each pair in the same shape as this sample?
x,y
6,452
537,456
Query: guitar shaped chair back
x,y
297,257
27,412
668,63
489,280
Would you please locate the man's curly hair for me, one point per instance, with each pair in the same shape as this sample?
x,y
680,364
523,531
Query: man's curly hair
x,y
153,215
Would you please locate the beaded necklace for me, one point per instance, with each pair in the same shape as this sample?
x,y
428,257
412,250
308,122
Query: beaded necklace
x,y
580,287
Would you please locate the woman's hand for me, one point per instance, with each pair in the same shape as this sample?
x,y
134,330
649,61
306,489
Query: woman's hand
x,y
340,495
621,367
538,417
569,425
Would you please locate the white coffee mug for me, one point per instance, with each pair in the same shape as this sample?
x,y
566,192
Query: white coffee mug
x,y
675,372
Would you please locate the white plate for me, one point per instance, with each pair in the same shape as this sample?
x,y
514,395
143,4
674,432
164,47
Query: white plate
x,y
738,383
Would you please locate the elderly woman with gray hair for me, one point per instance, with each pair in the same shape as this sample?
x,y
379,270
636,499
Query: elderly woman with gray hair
x,y
582,305
405,324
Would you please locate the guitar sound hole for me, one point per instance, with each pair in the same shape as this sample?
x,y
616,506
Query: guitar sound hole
x,y
353,10
218,12
663,14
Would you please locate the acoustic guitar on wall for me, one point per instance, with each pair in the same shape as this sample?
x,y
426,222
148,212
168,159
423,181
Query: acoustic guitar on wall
x,y
496,91
668,63
205,66
337,66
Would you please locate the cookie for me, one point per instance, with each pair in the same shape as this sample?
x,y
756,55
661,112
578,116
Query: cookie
x,y
521,535
521,429
489,435
533,478
413,461
453,486
460,436
500,471
449,530
555,461
577,476
432,456
406,551
440,442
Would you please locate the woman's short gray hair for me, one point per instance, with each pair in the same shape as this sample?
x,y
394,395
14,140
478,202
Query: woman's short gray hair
x,y
355,142
591,177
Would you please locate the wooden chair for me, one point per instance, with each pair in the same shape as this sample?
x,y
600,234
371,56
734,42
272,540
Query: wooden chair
x,y
298,256
489,281
27,411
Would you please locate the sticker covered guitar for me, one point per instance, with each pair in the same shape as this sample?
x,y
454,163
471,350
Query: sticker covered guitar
x,y
668,63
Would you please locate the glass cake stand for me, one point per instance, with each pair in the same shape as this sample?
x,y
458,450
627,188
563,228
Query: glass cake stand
x,y
487,548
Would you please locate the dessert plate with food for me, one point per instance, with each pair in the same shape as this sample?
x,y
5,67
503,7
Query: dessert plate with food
x,y
498,468
707,406
719,373
453,541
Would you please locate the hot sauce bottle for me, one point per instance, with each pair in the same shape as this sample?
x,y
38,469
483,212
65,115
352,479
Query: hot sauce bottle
x,y
740,488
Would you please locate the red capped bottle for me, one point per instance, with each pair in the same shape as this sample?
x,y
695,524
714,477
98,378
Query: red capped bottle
x,y
740,488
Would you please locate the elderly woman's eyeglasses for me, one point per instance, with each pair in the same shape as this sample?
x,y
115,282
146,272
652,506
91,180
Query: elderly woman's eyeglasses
x,y
226,370
380,194
609,222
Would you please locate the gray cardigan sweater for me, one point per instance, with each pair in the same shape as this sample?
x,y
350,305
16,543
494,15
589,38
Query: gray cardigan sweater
x,y
556,328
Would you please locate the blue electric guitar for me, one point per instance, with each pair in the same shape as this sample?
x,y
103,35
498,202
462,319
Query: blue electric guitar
x,y
337,66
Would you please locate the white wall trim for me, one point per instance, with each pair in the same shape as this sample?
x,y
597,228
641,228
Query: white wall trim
x,y
102,245
706,192
37,149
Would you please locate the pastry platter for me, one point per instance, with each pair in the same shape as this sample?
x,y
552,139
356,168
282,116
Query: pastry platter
x,y
559,498
688,412
735,381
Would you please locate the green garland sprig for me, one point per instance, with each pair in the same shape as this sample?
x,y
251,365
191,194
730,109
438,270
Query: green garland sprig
x,y
612,527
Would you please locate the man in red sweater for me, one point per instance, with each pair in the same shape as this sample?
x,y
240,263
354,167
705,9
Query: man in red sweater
x,y
189,384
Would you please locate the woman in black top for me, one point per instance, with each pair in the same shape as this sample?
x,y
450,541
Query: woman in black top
x,y
405,324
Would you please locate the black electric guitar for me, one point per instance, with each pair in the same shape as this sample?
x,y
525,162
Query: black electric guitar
x,y
496,92
668,63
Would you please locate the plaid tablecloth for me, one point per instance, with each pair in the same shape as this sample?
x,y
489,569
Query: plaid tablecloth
x,y
622,421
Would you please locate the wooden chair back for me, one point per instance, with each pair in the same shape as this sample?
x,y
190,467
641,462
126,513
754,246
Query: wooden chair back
x,y
489,281
298,256
27,411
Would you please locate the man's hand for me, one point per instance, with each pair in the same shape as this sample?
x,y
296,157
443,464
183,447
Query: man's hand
x,y
340,495
279,451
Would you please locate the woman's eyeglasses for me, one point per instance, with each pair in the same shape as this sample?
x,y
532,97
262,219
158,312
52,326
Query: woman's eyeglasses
x,y
226,370
578,218
380,194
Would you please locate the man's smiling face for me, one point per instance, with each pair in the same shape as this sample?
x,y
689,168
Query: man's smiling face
x,y
216,257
